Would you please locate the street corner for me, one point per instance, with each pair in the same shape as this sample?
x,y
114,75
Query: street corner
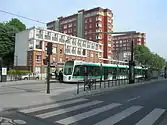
x,y
17,118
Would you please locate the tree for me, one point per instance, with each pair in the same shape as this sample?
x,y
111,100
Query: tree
x,y
17,24
7,40
144,56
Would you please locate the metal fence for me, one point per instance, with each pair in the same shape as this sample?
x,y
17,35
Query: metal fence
x,y
93,84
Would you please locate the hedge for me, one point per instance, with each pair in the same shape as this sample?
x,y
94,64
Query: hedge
x,y
18,72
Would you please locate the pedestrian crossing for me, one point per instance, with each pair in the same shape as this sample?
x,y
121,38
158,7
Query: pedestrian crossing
x,y
77,110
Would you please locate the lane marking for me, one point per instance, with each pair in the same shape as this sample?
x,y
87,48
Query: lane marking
x,y
152,117
132,99
88,114
69,109
30,110
119,116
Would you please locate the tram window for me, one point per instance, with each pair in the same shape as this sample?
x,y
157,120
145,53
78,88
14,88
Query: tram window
x,y
93,71
78,71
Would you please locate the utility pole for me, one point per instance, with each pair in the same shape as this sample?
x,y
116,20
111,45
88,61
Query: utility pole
x,y
49,53
131,64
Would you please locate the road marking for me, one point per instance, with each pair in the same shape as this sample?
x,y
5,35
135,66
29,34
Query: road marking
x,y
90,113
52,105
151,117
69,109
119,116
132,99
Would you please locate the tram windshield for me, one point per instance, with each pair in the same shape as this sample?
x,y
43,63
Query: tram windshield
x,y
68,67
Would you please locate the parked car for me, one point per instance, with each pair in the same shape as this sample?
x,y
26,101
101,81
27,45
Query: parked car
x,y
30,76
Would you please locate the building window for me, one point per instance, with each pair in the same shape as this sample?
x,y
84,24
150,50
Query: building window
x,y
98,24
88,45
38,44
79,51
98,37
39,34
85,20
98,19
84,44
61,51
55,37
62,39
93,46
74,50
38,58
90,26
109,38
65,26
48,35
79,43
68,49
90,38
109,20
98,30
97,46
84,52
74,42
65,31
90,20
70,25
54,50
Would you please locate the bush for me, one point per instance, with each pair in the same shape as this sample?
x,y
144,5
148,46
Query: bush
x,y
18,72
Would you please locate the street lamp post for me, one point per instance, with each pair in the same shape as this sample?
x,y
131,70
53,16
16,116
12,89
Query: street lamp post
x,y
131,62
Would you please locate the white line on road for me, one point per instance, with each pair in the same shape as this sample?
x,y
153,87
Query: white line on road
x,y
119,116
88,114
69,109
151,117
132,99
52,105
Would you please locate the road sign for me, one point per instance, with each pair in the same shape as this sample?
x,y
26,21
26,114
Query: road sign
x,y
4,71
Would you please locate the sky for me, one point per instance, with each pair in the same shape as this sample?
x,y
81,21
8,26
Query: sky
x,y
148,16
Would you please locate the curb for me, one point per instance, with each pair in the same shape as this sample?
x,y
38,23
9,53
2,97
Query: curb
x,y
102,90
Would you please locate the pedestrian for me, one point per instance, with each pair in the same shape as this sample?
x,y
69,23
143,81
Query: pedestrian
x,y
61,75
56,74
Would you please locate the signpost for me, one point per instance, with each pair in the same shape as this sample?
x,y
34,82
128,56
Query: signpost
x,y
3,74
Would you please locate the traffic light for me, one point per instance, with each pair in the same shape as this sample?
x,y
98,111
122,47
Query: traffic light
x,y
45,61
49,48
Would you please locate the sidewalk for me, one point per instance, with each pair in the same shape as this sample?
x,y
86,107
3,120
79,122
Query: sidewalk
x,y
57,94
25,82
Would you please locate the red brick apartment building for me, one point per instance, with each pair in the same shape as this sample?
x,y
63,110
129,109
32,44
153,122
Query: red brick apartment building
x,y
84,22
122,44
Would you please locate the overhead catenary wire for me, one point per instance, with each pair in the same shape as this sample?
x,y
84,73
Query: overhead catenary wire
x,y
3,11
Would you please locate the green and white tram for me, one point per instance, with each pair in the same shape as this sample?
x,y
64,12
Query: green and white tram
x,y
73,71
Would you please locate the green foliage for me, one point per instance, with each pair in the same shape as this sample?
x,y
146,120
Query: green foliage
x,y
17,23
145,57
7,40
18,72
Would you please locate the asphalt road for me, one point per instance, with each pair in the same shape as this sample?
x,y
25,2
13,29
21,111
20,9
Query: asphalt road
x,y
145,104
